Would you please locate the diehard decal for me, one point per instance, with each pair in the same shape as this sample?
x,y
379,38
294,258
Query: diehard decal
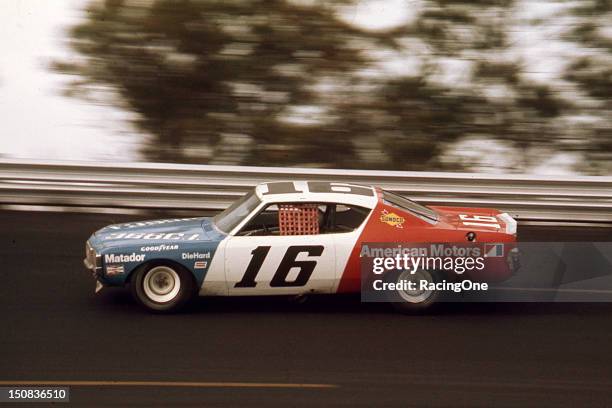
x,y
392,219
196,255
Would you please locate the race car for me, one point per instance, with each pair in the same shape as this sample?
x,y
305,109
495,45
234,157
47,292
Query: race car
x,y
282,238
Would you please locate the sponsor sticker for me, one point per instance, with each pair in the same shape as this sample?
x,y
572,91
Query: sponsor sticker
x,y
196,255
115,258
494,250
200,264
159,248
112,270
392,219
170,236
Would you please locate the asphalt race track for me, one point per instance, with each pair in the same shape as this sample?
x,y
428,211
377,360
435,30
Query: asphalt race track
x,y
55,329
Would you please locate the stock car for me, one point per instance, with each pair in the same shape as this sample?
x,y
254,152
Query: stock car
x,y
282,238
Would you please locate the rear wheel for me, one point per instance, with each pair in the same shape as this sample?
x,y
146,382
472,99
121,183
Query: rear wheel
x,y
417,299
162,287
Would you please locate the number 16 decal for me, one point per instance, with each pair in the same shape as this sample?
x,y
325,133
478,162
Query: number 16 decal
x,y
479,221
289,261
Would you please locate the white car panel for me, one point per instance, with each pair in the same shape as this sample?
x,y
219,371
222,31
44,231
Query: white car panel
x,y
240,255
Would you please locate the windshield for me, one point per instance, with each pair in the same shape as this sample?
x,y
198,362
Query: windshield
x,y
409,205
227,220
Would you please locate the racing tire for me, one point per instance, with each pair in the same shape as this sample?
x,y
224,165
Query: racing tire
x,y
162,288
417,300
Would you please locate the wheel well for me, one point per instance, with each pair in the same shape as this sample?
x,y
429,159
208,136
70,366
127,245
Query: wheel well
x,y
158,262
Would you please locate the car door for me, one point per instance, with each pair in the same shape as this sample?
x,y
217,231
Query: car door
x,y
345,225
281,251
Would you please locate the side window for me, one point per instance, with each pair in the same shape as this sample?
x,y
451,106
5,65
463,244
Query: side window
x,y
305,219
343,218
286,219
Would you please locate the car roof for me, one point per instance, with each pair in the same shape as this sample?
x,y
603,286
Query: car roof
x,y
317,191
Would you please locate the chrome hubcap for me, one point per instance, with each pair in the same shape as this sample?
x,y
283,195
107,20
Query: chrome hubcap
x,y
161,284
416,295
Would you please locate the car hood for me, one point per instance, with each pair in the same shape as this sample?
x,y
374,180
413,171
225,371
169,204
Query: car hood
x,y
173,229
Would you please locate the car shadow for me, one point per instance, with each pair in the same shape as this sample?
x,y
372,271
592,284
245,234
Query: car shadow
x,y
351,304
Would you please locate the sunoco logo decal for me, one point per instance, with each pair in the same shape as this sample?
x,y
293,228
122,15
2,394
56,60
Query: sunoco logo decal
x,y
392,219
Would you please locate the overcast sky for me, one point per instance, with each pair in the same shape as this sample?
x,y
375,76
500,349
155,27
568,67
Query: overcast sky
x,y
37,121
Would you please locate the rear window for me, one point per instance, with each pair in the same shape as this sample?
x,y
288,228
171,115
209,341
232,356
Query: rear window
x,y
403,203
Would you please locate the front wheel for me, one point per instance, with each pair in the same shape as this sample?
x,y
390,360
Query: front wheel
x,y
162,288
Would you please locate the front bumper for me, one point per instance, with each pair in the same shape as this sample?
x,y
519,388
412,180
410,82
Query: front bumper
x,y
88,265
93,260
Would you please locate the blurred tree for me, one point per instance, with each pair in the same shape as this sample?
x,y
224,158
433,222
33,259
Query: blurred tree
x,y
288,82
468,87
203,73
591,71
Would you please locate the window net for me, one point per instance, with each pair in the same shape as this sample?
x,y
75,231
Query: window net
x,y
298,219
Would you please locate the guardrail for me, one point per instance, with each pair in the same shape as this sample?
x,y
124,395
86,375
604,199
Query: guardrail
x,y
203,187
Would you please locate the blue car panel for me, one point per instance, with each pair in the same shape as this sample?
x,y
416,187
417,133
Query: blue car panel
x,y
121,248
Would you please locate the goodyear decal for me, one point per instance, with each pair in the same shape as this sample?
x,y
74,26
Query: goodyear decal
x,y
159,248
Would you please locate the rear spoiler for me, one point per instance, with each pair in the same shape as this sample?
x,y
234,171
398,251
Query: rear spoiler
x,y
509,221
